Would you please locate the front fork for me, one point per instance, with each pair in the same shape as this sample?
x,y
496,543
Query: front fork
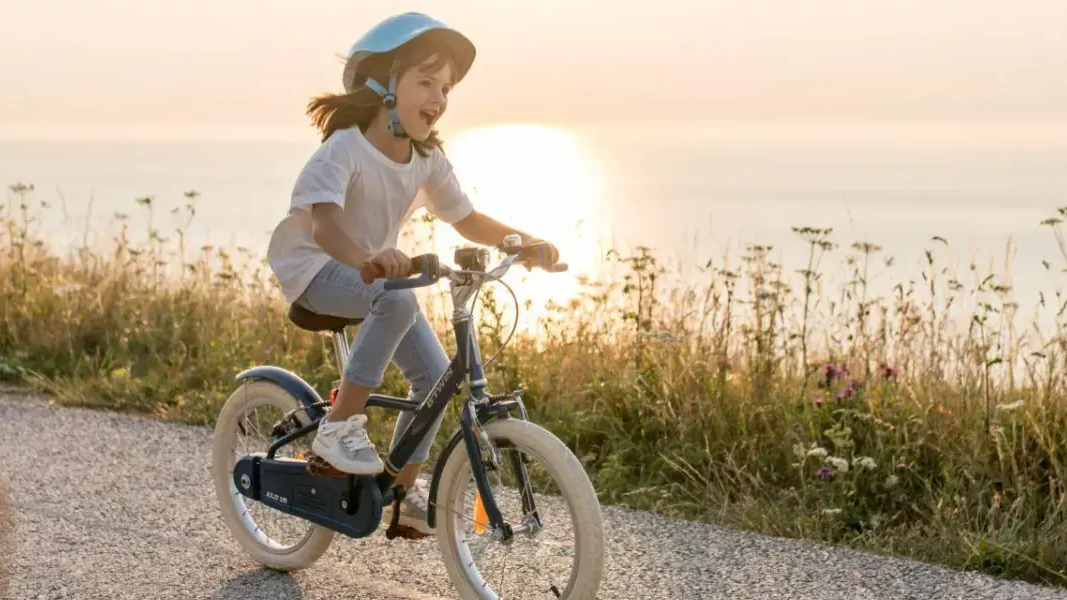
x,y
484,456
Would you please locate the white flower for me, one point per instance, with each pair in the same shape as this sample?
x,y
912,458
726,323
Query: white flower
x,y
838,463
818,452
831,511
865,462
892,481
1010,407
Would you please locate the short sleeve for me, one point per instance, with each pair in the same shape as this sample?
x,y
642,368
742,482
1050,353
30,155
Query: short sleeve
x,y
326,176
445,199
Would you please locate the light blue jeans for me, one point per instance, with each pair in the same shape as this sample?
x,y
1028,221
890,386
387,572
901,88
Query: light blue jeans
x,y
394,328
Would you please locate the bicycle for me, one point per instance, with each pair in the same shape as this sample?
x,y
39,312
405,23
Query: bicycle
x,y
315,504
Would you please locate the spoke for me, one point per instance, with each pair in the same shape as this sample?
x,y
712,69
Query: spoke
x,y
255,424
459,514
265,513
504,569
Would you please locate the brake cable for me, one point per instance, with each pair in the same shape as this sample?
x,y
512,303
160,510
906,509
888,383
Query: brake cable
x,y
514,327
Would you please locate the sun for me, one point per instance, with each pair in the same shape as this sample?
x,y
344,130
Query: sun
x,y
541,180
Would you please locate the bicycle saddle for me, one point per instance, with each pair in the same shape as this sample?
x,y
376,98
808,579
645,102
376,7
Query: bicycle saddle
x,y
313,321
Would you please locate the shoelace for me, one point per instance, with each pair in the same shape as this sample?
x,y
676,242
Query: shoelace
x,y
355,438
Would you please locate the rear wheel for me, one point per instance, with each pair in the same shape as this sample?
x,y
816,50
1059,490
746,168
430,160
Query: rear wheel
x,y
558,551
276,539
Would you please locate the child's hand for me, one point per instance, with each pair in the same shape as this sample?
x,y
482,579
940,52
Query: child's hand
x,y
389,263
539,253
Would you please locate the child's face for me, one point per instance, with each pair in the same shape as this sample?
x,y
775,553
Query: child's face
x,y
422,97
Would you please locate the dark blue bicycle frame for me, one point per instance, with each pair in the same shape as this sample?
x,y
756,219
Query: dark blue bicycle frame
x,y
465,366
466,363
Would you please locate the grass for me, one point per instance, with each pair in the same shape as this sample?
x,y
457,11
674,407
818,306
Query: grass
x,y
920,423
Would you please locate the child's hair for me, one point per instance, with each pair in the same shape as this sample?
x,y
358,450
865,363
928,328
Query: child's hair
x,y
331,112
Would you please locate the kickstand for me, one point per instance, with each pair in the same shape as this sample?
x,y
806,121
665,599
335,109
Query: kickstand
x,y
394,520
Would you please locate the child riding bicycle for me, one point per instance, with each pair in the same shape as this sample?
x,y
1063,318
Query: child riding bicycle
x,y
380,160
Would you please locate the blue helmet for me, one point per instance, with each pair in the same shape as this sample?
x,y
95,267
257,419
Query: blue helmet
x,y
389,35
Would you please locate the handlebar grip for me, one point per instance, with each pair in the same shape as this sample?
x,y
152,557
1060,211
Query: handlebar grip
x,y
370,271
539,254
402,284
426,265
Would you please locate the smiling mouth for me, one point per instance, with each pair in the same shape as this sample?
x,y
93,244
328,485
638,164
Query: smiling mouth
x,y
428,117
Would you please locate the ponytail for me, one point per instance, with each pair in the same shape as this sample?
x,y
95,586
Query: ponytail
x,y
331,112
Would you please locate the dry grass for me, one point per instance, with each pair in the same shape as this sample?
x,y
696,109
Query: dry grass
x,y
759,399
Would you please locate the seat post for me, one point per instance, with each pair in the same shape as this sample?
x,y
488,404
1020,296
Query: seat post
x,y
340,350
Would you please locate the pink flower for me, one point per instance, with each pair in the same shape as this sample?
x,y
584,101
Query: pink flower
x,y
846,392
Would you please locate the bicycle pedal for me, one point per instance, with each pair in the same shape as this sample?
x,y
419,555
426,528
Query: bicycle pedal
x,y
320,468
407,533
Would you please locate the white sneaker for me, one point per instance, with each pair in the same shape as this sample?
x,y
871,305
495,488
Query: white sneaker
x,y
345,445
413,509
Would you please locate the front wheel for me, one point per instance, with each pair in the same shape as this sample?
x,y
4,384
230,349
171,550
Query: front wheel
x,y
559,550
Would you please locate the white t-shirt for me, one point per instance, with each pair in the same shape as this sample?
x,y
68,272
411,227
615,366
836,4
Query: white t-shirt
x,y
377,195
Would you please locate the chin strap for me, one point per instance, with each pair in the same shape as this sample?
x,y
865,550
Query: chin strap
x,y
389,99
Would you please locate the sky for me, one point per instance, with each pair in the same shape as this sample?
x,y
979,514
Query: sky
x,y
195,68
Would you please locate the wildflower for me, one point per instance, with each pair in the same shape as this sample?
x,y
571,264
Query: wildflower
x,y
825,472
892,481
846,392
817,402
830,372
865,462
888,372
1010,407
838,463
818,452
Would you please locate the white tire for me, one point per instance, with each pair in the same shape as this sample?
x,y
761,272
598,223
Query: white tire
x,y
234,507
587,562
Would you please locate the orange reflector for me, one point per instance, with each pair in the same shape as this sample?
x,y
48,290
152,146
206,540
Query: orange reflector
x,y
480,518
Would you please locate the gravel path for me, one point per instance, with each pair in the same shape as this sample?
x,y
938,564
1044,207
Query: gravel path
x,y
113,506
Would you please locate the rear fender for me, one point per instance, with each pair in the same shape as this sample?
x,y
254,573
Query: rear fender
x,y
291,382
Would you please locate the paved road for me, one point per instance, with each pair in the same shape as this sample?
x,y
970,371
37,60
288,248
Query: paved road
x,y
116,507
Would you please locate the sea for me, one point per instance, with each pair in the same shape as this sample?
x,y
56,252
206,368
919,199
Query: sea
x,y
973,194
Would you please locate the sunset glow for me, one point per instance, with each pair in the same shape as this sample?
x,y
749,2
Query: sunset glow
x,y
538,179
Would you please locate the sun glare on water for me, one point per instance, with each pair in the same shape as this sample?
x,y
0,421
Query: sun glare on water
x,y
540,180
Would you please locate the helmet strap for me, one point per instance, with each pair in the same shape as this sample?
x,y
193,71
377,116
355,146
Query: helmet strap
x,y
389,99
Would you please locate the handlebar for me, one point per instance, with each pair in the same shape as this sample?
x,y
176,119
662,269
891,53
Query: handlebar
x,y
427,268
